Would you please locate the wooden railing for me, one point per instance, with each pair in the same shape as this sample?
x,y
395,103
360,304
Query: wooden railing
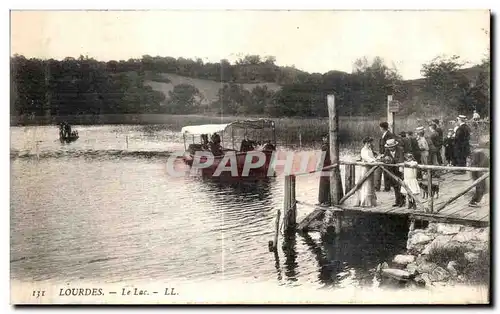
x,y
290,201
336,190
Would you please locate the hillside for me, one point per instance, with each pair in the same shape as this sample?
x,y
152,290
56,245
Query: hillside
x,y
250,86
208,88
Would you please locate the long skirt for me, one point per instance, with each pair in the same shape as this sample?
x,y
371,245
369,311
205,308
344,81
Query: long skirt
x,y
366,196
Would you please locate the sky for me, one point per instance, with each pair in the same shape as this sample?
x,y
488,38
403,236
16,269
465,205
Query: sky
x,y
313,41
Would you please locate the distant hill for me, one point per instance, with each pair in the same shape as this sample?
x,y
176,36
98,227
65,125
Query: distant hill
x,y
165,82
207,88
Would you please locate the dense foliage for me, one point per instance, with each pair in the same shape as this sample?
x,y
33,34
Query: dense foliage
x,y
87,86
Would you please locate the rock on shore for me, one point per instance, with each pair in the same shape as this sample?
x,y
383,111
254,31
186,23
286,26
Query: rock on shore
x,y
437,254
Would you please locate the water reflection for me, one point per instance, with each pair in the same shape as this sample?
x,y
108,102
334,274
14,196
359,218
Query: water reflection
x,y
246,190
290,264
371,239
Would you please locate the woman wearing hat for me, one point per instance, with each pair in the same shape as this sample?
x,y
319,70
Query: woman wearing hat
x,y
423,145
366,193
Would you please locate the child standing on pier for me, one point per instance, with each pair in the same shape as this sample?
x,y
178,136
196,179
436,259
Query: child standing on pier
x,y
410,179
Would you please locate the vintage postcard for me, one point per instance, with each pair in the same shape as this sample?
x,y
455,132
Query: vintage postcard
x,y
250,157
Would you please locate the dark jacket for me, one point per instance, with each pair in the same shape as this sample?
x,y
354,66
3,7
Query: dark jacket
x,y
462,137
441,137
415,151
396,159
384,139
436,142
326,148
406,143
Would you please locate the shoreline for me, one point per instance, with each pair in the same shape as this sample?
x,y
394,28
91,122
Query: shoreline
x,y
443,255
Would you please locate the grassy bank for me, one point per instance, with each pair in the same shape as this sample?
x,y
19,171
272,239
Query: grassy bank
x,y
288,130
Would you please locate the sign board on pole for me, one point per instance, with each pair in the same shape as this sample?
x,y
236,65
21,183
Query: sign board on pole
x,y
394,106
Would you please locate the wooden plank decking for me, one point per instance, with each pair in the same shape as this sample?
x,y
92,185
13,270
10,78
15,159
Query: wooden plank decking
x,y
457,212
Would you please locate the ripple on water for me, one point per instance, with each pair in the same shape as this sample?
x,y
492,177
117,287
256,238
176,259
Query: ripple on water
x,y
97,209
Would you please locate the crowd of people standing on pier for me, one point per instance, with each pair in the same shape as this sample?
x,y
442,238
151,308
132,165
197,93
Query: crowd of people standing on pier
x,y
421,146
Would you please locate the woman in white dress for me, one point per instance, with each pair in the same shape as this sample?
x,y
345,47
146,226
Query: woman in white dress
x,y
366,193
410,179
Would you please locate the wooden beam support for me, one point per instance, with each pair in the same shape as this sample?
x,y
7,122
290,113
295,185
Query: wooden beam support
x,y
358,185
461,193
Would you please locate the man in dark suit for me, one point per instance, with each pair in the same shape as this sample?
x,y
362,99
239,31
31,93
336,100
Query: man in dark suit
x,y
415,151
386,135
462,146
439,147
394,155
405,143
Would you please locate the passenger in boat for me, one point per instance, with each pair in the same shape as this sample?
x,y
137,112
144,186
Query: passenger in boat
x,y
67,129
204,141
61,130
216,138
246,145
215,145
268,146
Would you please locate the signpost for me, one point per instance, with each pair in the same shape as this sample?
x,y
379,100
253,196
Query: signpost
x,y
393,106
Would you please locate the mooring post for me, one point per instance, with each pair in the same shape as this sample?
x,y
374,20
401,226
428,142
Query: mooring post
x,y
350,177
335,180
390,114
290,206
429,190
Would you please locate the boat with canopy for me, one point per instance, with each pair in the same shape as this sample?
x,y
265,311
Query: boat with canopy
x,y
243,138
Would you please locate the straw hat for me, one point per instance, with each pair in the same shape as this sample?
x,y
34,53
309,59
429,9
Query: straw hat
x,y
391,143
462,117
420,128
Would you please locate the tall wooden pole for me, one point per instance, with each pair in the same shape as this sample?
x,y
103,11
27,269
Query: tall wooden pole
x,y
390,114
290,205
335,180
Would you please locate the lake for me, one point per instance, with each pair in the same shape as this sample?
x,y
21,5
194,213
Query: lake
x,y
104,208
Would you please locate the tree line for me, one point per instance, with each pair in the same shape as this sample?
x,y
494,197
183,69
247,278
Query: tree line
x,y
87,86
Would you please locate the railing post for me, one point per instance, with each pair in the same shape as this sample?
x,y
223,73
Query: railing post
x,y
429,190
290,205
350,175
335,180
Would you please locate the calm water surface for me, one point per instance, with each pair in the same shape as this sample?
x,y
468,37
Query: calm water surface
x,y
102,208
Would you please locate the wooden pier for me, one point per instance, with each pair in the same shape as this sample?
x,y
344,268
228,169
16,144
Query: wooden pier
x,y
450,205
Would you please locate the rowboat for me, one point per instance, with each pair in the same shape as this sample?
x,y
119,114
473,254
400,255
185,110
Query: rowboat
x,y
69,138
257,142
